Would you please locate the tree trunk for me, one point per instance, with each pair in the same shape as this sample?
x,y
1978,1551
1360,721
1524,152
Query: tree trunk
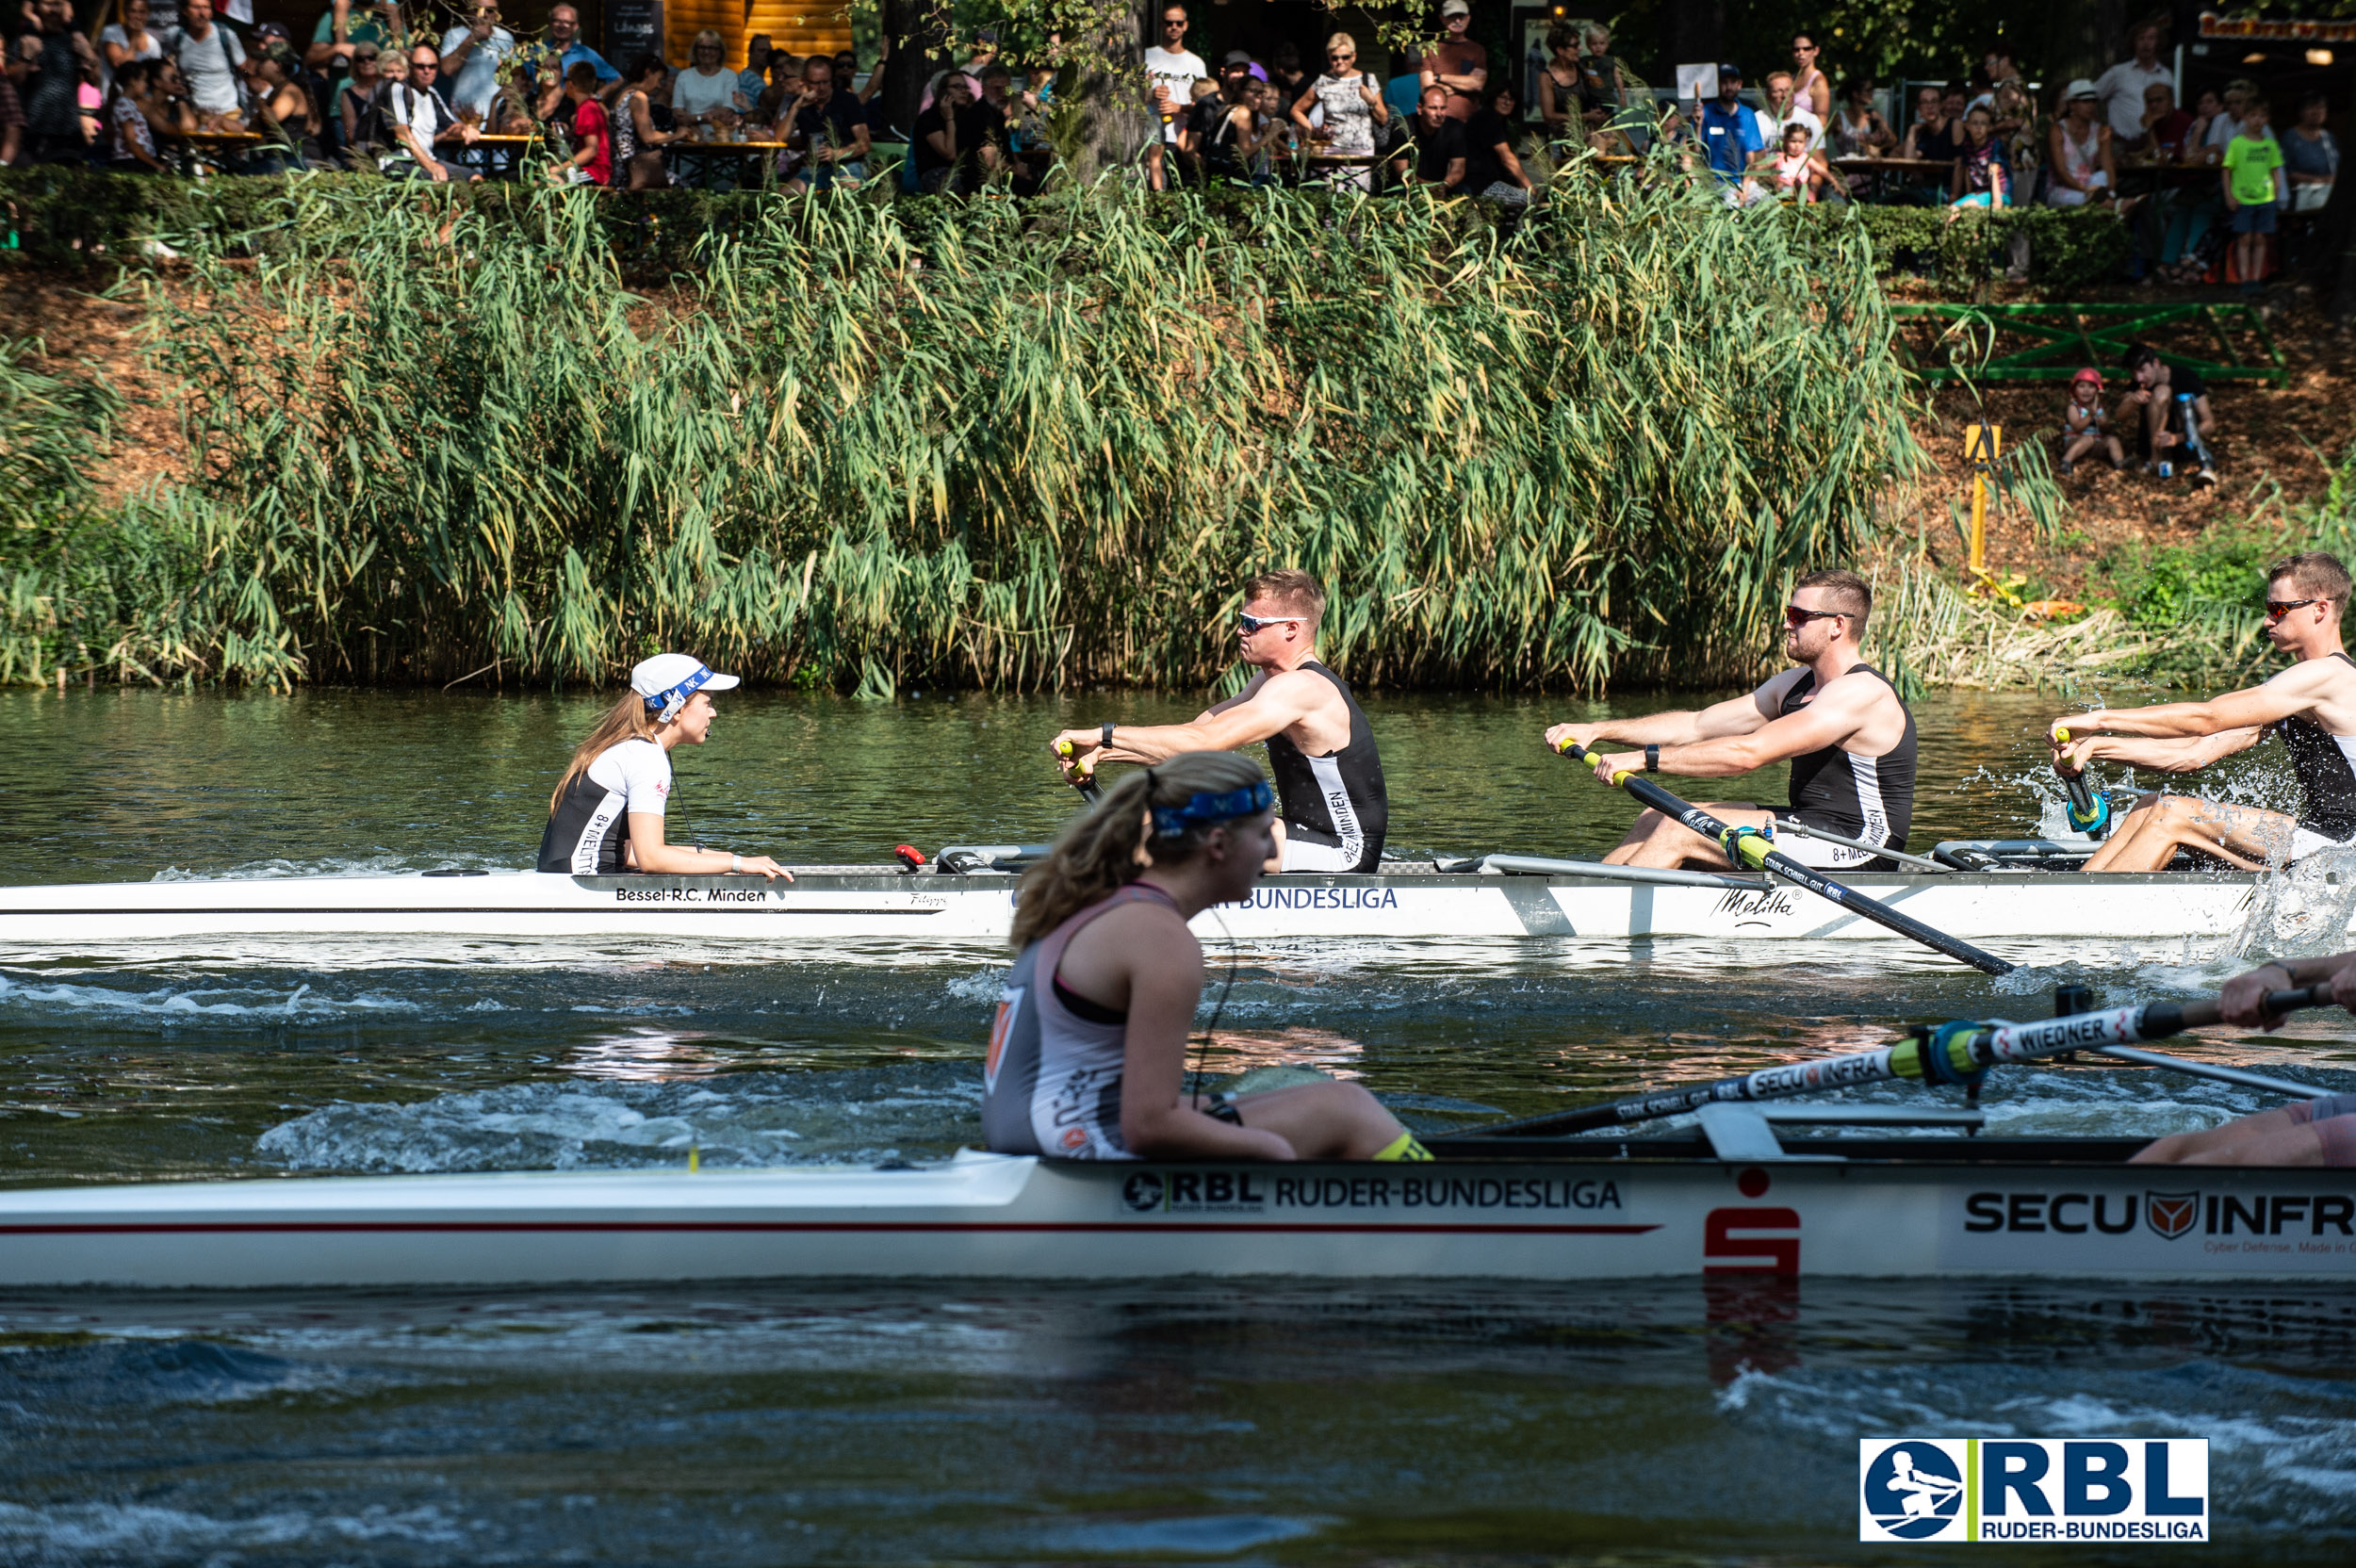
x,y
915,39
1105,88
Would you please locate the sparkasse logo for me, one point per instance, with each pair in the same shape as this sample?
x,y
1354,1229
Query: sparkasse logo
x,y
2033,1489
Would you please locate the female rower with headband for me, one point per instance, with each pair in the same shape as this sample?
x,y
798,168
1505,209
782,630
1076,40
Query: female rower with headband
x,y
1087,1053
606,816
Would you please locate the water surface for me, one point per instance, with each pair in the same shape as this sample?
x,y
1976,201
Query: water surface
x,y
1186,1421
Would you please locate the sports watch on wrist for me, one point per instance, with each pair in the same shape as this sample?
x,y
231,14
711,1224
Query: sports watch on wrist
x,y
1652,758
1105,734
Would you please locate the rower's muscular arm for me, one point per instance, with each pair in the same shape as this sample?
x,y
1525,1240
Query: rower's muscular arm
x,y
1281,702
2185,756
1840,710
2293,691
1736,716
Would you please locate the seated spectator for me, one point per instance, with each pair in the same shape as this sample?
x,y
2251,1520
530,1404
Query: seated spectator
x,y
1983,176
362,139
2171,404
636,137
826,135
951,151
2207,109
2079,164
2165,126
2085,428
283,111
1785,109
1437,158
2226,125
706,92
128,40
1491,172
414,119
785,84
1795,171
1562,88
2311,156
1857,128
592,163
61,64
343,28
754,79
131,139
1932,137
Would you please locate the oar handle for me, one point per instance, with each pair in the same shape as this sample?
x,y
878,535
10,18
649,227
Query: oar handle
x,y
2157,1019
2088,812
1081,776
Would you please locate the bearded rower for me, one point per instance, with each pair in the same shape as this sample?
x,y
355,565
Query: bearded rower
x,y
1835,718
1328,779
2311,707
606,816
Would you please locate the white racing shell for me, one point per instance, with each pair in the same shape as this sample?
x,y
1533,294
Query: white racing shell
x,y
1931,1214
837,903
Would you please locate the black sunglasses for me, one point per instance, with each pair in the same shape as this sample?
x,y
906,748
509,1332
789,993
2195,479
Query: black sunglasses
x,y
1795,617
2277,608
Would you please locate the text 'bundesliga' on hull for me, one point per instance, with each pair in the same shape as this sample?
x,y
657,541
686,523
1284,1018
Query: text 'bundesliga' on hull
x,y
827,905
1580,1209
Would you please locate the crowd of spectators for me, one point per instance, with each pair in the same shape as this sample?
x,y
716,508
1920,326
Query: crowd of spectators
x,y
2209,188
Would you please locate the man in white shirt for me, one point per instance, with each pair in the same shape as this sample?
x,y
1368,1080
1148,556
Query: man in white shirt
x,y
1171,69
471,56
211,58
1782,110
2121,88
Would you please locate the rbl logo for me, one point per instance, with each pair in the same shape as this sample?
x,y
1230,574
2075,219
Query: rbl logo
x,y
2033,1489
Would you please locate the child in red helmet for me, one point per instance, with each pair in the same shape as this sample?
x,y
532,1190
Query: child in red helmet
x,y
2086,426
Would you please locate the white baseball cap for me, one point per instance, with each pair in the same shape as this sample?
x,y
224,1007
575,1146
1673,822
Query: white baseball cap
x,y
668,680
1456,7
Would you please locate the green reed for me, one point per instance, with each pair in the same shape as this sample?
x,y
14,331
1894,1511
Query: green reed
x,y
868,442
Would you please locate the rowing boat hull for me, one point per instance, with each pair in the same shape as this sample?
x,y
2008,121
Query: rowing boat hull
x,y
827,905
1957,1213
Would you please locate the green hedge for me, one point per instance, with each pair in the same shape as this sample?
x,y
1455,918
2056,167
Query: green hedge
x,y
66,217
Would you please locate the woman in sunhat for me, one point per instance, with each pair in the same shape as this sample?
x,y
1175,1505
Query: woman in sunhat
x,y
606,816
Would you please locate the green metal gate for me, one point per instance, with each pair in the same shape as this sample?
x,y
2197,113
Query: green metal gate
x,y
2061,338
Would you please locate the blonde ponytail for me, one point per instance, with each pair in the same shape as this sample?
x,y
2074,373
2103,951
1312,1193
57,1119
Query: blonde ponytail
x,y
1103,850
626,720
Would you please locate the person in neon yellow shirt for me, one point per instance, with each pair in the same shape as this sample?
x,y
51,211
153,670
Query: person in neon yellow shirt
x,y
2250,159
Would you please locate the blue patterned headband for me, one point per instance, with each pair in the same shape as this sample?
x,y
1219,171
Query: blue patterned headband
x,y
1170,820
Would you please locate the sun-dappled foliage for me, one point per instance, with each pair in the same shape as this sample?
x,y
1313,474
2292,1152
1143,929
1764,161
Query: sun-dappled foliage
x,y
1021,446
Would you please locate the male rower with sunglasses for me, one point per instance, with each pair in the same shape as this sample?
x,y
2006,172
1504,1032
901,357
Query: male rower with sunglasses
x,y
2311,706
1835,718
1332,809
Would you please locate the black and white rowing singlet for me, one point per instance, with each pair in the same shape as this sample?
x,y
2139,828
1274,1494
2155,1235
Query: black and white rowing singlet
x,y
1862,797
1050,1080
590,826
2325,764
1335,809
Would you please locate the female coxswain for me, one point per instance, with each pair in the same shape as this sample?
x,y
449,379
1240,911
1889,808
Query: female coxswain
x,y
1087,1053
606,816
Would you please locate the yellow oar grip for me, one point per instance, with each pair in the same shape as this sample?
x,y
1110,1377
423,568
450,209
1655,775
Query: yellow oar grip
x,y
1063,748
1591,757
2062,734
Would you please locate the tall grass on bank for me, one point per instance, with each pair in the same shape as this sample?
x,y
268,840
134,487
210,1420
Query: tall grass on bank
x,y
1024,445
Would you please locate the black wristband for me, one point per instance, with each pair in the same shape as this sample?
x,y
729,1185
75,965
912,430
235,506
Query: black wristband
x,y
1105,734
1652,758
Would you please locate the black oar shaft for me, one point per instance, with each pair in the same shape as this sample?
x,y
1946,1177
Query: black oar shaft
x,y
1941,1056
1751,851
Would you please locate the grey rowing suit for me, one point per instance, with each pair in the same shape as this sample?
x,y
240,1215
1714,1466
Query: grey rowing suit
x,y
1051,1081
